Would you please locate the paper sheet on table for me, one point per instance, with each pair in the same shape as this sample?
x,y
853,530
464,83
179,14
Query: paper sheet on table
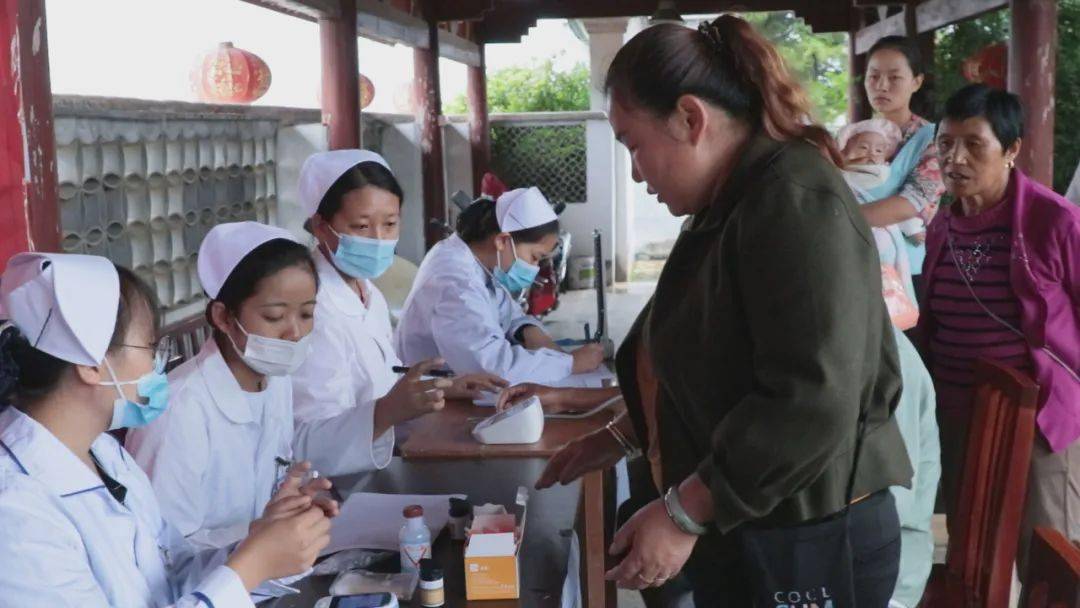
x,y
373,521
593,379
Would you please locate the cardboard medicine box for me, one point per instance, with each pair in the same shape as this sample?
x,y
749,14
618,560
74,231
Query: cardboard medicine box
x,y
492,552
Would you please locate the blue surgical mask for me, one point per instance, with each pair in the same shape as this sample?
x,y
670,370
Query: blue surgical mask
x,y
519,277
361,257
152,386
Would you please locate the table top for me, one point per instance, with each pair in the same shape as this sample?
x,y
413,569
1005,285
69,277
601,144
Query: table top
x,y
545,546
447,435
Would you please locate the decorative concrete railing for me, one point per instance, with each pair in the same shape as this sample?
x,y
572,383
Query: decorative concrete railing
x,y
142,182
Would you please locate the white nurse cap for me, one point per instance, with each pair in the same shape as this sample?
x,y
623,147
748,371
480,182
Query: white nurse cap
x,y
226,245
322,169
523,208
64,304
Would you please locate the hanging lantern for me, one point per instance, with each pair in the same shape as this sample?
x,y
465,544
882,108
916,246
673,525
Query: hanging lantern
x,y
367,91
230,75
988,66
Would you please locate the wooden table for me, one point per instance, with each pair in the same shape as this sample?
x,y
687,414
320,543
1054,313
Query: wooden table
x,y
441,457
446,436
545,546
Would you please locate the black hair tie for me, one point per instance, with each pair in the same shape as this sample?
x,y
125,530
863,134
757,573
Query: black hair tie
x,y
9,369
712,34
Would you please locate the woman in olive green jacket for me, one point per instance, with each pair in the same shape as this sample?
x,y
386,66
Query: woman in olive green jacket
x,y
767,338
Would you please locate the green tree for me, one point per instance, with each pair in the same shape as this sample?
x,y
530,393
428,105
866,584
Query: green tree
x,y
956,42
537,87
819,61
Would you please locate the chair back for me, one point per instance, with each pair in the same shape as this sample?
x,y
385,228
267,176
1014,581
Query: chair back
x,y
190,334
1053,579
983,539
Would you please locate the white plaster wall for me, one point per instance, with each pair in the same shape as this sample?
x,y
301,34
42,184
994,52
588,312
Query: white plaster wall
x,y
457,162
401,151
598,211
295,144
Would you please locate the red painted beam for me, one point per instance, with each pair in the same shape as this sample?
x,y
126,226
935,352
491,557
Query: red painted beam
x,y
340,77
29,216
1032,64
479,126
428,110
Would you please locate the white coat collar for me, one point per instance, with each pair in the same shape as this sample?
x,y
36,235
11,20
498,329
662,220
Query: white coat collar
x,y
222,385
39,454
460,249
335,291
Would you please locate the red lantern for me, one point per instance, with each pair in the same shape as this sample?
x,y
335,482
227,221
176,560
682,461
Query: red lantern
x,y
367,91
988,66
230,75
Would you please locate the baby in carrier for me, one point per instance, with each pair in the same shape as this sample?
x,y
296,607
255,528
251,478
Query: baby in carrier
x,y
867,146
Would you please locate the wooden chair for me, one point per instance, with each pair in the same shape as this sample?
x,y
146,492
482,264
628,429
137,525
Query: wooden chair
x,y
984,535
190,335
1053,572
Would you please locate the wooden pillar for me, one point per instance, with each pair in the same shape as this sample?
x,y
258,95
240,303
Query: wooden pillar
x,y
340,77
428,110
479,125
1032,63
29,214
858,103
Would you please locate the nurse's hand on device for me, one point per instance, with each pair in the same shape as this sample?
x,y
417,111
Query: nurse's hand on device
x,y
412,397
588,358
470,386
557,400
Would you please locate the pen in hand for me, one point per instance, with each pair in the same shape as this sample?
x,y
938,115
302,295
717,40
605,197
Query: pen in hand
x,y
437,373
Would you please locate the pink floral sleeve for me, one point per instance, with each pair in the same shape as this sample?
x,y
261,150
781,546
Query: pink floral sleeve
x,y
923,187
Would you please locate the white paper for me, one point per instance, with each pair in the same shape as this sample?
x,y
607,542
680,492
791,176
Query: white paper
x,y
593,379
373,521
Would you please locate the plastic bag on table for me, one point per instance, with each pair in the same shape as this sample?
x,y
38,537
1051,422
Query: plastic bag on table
x,y
351,559
355,582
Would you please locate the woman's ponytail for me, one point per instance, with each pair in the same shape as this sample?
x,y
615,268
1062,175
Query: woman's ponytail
x,y
785,108
477,221
725,62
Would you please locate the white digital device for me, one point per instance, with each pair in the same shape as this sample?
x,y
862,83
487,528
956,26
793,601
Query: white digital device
x,y
519,424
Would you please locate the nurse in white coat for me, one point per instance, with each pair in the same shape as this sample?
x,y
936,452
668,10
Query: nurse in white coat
x,y
462,305
79,524
354,204
217,454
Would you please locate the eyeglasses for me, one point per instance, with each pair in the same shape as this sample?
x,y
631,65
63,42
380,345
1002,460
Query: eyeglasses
x,y
165,352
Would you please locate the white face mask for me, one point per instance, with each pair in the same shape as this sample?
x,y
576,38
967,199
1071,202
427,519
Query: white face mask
x,y
272,356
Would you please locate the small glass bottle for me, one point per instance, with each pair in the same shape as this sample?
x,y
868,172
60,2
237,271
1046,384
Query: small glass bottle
x,y
414,539
432,593
460,513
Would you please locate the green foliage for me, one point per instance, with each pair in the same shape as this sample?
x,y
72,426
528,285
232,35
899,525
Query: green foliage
x,y
819,61
955,43
533,88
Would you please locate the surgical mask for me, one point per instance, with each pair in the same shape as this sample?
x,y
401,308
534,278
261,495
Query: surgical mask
x,y
519,277
152,386
272,356
361,257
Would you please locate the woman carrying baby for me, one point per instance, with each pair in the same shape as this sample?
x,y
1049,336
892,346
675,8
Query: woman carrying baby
x,y
894,74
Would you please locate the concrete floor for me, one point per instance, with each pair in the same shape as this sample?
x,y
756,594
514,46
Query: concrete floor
x,y
624,302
